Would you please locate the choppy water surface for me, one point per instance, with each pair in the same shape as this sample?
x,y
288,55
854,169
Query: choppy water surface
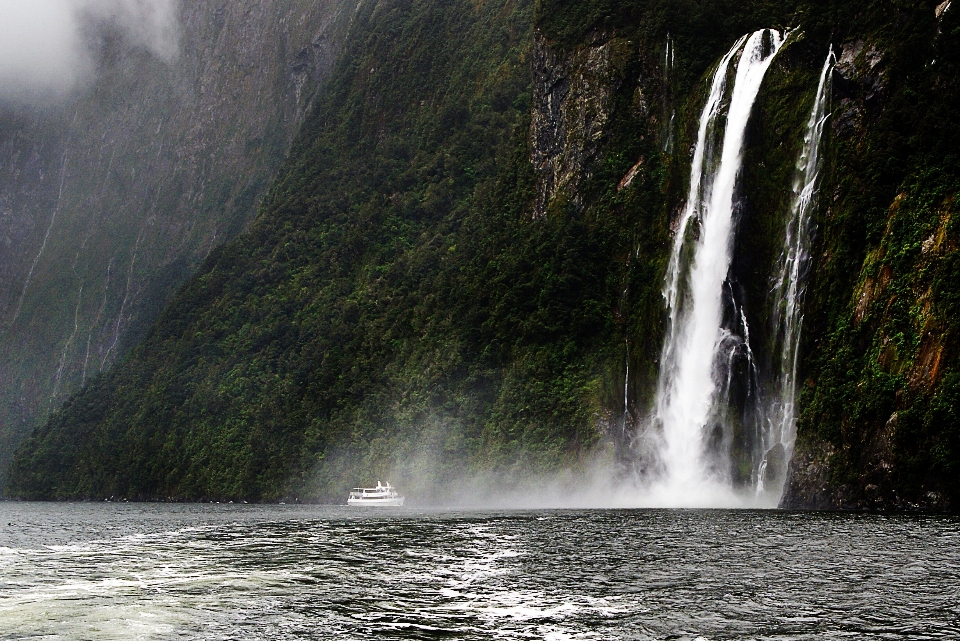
x,y
91,571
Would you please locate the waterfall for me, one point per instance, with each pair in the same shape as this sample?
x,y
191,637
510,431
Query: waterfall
x,y
668,63
698,351
787,291
626,386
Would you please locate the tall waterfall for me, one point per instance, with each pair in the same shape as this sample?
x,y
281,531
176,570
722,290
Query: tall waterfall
x,y
787,294
699,349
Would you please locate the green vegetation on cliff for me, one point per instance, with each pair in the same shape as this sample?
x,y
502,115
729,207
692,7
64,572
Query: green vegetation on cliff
x,y
880,423
381,292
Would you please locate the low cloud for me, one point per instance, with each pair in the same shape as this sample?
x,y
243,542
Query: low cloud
x,y
48,47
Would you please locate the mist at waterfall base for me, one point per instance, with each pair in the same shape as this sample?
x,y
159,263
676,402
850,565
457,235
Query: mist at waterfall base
x,y
597,481
173,571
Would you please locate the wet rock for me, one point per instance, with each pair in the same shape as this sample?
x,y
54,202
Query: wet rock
x,y
630,175
572,103
846,66
860,73
942,8
847,118
775,470
808,485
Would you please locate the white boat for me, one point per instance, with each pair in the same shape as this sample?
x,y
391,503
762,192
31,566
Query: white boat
x,y
380,496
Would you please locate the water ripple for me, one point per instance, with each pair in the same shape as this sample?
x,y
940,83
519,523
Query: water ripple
x,y
289,572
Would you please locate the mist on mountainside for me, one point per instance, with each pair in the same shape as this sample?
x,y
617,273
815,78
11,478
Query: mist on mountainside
x,y
49,48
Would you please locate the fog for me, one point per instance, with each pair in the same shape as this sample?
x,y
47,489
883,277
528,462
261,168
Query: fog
x,y
48,47
421,467
590,485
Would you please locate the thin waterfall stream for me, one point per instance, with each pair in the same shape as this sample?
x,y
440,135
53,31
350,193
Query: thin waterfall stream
x,y
668,107
787,293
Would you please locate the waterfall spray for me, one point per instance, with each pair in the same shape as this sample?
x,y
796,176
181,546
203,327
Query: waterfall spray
x,y
698,350
787,292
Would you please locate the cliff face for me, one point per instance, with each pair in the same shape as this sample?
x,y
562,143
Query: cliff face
x,y
334,328
572,102
880,422
110,200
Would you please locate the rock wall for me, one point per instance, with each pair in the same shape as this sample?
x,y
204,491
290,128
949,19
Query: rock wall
x,y
572,103
110,200
880,408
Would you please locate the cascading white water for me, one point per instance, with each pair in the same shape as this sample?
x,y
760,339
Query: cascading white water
x,y
689,386
787,292
696,197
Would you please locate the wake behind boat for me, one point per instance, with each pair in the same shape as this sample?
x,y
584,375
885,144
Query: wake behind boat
x,y
380,496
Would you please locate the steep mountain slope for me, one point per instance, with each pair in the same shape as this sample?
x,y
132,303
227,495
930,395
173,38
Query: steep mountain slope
x,y
110,200
400,301
460,267
387,154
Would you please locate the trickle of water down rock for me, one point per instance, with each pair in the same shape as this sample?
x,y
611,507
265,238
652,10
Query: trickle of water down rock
x,y
786,295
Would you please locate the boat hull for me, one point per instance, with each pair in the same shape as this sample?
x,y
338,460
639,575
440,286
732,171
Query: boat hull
x,y
376,502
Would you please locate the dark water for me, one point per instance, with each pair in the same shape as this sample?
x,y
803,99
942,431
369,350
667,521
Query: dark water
x,y
89,571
